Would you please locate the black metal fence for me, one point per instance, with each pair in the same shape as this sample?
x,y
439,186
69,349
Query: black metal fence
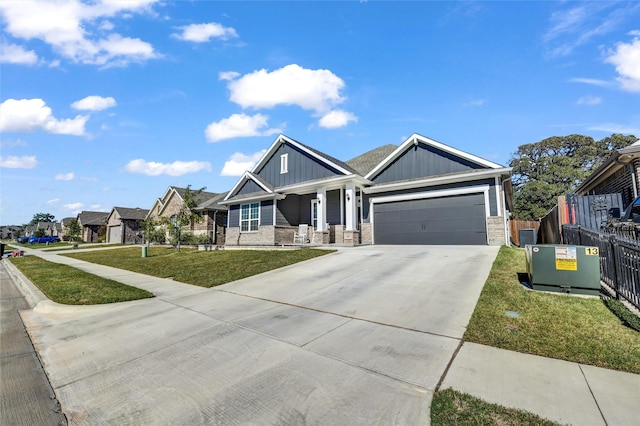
x,y
619,260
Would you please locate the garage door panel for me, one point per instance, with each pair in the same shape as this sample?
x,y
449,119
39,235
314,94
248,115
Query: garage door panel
x,y
114,234
459,219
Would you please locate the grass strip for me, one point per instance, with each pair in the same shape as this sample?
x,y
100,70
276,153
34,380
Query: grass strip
x,y
451,408
71,286
201,268
558,326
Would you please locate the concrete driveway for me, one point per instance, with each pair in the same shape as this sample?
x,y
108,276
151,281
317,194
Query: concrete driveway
x,y
360,336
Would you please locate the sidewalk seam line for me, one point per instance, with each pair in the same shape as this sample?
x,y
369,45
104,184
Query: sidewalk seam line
x,y
592,395
449,364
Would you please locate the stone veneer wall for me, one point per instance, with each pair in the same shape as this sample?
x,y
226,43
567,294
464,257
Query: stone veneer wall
x,y
264,236
366,235
496,230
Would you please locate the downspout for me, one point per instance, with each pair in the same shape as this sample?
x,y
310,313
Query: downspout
x,y
214,239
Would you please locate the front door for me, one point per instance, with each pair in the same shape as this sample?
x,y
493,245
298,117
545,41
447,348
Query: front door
x,y
314,214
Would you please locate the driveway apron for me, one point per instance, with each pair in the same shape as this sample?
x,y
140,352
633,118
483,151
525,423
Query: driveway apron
x,y
360,336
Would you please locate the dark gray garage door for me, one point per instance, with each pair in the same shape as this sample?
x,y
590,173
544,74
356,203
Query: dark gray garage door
x,y
459,219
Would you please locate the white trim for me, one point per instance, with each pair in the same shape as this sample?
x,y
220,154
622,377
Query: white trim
x,y
499,203
431,194
328,184
415,138
248,176
433,181
284,163
275,207
249,219
342,195
313,227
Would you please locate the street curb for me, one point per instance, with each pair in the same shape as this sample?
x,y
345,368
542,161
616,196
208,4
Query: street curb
x,y
31,293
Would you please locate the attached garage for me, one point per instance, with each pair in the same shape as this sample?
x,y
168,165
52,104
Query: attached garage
x,y
450,220
114,234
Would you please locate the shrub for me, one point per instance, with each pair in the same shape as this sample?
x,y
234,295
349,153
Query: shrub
x,y
626,316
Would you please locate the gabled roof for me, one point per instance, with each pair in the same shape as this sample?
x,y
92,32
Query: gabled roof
x,y
127,213
66,220
247,176
87,218
618,159
213,203
415,139
322,157
364,163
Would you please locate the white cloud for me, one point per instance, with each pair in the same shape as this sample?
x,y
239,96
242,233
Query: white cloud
x,y
228,75
177,168
616,128
65,176
94,103
28,115
589,100
591,81
240,163
336,118
474,103
74,206
54,201
76,29
316,90
14,162
239,126
200,33
626,59
14,54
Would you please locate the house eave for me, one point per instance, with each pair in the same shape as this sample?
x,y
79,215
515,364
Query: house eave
x,y
327,184
439,180
263,197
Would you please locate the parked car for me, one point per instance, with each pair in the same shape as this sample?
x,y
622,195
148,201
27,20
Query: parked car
x,y
22,240
43,240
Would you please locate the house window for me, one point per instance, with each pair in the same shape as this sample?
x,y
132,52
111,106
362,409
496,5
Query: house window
x,y
284,163
249,217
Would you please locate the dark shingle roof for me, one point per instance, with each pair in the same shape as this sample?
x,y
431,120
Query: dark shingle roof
x,y
366,162
131,214
92,218
212,203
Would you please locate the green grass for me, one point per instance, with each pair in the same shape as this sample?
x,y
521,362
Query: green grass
x,y
71,286
572,328
202,268
451,408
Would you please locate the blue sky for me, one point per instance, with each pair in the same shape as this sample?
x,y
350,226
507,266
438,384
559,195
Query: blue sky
x,y
107,103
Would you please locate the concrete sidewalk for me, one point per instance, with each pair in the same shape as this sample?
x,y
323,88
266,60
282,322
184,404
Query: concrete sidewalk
x,y
561,391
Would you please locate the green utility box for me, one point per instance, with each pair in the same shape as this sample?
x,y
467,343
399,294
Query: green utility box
x,y
564,268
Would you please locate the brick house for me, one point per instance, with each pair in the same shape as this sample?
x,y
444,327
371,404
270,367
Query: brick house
x,y
124,225
93,225
212,216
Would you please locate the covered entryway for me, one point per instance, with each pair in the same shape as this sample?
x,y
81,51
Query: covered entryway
x,y
114,234
451,220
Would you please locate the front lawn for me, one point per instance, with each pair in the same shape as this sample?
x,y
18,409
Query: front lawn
x,y
71,286
452,408
202,268
559,326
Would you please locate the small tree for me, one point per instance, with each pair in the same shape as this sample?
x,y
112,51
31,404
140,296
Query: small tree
x,y
39,233
149,229
73,229
186,215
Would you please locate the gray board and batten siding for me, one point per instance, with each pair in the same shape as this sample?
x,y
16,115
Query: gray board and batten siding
x,y
250,187
456,219
302,167
420,161
266,213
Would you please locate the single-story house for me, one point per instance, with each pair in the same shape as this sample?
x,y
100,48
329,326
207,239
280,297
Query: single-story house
x,y
64,227
124,225
212,216
420,192
620,173
93,225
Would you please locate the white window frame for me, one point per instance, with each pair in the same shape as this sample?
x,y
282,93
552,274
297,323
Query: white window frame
x,y
314,220
284,163
250,223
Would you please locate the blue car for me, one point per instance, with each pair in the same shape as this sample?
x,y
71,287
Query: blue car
x,y
22,240
43,240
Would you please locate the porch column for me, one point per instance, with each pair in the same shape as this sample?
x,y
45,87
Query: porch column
x,y
321,195
350,207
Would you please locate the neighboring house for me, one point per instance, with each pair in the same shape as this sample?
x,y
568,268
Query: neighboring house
x,y
212,216
10,232
620,173
421,192
50,228
93,225
64,227
124,225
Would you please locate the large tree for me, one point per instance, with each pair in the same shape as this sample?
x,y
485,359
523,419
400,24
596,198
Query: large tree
x,y
545,170
42,217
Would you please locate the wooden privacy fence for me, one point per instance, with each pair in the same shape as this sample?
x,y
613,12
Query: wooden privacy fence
x,y
516,225
619,260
